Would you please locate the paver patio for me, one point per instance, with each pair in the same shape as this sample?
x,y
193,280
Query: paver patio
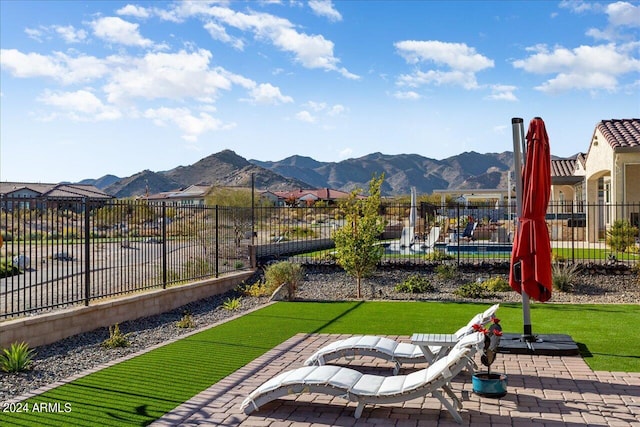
x,y
542,391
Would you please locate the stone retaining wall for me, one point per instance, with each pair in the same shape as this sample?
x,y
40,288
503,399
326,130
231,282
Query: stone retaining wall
x,y
48,328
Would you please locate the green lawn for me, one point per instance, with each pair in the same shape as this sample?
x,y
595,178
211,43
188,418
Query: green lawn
x,y
142,389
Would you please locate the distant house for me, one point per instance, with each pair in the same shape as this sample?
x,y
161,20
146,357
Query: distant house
x,y
304,197
48,196
193,195
604,183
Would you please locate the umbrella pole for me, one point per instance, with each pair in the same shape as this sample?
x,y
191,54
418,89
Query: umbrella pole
x,y
519,151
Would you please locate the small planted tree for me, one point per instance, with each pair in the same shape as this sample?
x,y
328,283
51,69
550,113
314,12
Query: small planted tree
x,y
357,251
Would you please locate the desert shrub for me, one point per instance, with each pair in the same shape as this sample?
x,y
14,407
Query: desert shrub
x,y
563,275
257,289
446,271
284,272
415,284
231,304
186,322
473,290
116,338
497,284
18,357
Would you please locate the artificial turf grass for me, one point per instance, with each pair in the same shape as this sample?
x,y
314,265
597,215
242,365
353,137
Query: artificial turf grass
x,y
140,390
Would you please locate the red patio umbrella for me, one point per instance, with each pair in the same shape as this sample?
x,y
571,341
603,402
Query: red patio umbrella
x,y
531,246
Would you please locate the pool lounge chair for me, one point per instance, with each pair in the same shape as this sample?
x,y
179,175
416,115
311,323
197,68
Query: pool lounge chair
x,y
384,348
366,389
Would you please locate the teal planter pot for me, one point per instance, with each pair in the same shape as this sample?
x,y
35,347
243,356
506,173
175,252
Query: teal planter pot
x,y
489,385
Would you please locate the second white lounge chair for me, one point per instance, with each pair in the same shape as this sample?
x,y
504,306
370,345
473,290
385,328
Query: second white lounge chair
x,y
396,352
366,389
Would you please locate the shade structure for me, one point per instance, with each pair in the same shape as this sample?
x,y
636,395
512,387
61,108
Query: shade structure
x,y
531,246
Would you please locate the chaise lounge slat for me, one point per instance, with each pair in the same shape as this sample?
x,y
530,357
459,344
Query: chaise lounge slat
x,y
367,389
396,352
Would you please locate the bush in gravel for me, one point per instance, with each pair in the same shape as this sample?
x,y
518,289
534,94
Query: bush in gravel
x,y
563,275
284,272
116,338
186,321
415,284
497,284
231,304
257,289
17,358
474,290
446,271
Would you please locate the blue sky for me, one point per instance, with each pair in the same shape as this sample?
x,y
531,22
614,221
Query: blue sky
x,y
96,87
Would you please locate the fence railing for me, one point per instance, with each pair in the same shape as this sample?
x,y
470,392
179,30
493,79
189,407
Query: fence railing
x,y
92,250
74,252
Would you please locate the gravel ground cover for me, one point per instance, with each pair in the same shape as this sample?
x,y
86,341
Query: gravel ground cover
x,y
70,356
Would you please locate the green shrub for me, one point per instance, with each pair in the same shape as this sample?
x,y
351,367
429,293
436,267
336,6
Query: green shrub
x,y
563,275
116,338
284,272
8,269
258,289
231,304
473,290
16,358
621,235
446,271
497,284
415,284
238,265
186,322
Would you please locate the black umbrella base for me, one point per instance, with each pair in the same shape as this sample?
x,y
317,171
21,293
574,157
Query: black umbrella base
x,y
542,345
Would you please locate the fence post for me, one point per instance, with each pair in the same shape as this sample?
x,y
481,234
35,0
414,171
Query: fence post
x,y
217,246
164,245
87,253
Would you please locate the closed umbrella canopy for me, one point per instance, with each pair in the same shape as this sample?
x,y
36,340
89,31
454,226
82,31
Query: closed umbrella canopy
x,y
531,246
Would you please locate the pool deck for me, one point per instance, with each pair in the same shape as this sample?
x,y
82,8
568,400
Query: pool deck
x,y
542,391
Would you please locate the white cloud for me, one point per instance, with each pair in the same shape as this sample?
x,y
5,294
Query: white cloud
x,y
623,14
336,110
305,116
502,93
192,126
311,51
135,11
176,76
266,93
80,105
316,106
460,63
69,34
406,95
58,66
457,56
116,30
585,67
218,32
325,8
439,78
34,33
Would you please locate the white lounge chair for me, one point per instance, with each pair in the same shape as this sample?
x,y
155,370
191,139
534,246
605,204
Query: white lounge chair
x,y
366,389
396,352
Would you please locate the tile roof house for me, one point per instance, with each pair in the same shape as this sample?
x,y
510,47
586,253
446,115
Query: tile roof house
x,y
604,183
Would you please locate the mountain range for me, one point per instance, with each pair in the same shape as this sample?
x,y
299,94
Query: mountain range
x,y
469,170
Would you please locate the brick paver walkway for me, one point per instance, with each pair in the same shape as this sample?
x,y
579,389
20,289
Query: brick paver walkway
x,y
542,391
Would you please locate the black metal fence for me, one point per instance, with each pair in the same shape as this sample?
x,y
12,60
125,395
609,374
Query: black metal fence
x,y
86,251
76,252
